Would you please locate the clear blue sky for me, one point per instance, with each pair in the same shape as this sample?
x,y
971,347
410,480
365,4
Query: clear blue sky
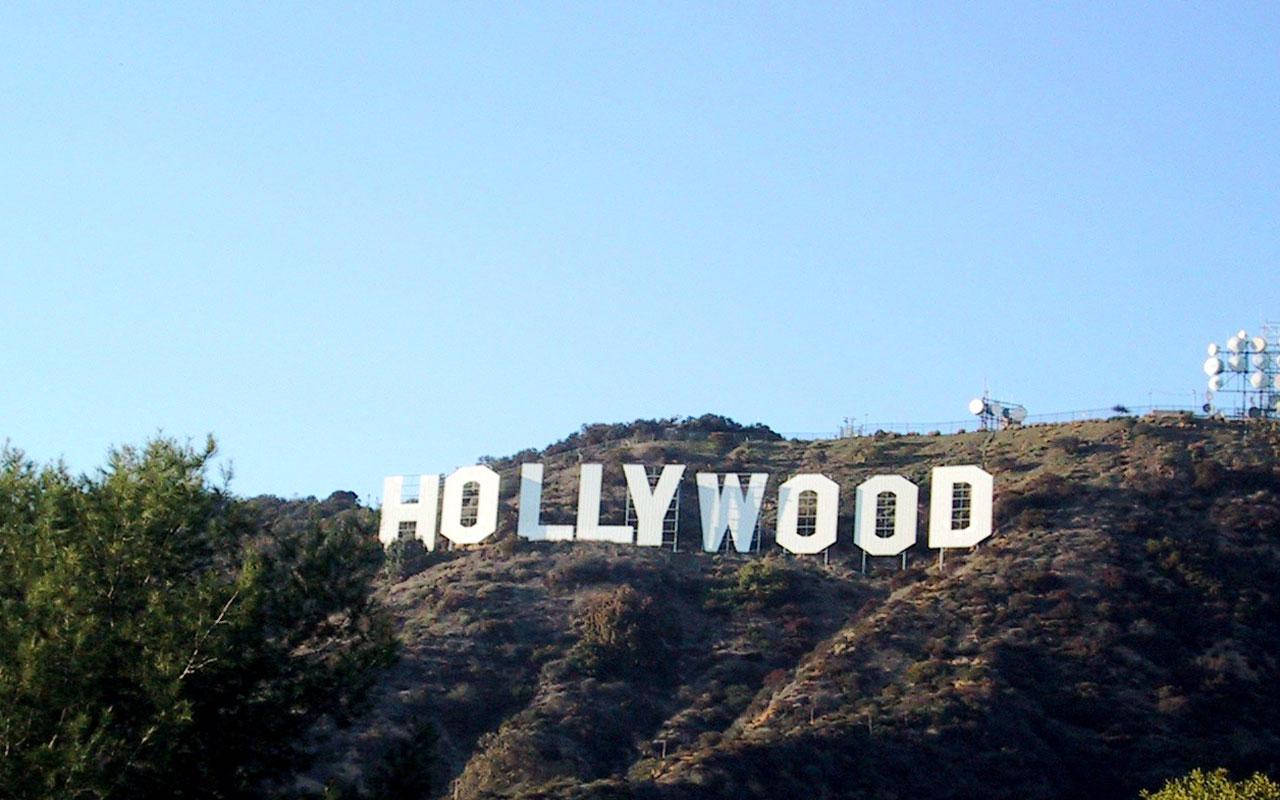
x,y
360,240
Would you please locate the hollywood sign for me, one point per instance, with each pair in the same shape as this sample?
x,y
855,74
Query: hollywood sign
x,y
959,509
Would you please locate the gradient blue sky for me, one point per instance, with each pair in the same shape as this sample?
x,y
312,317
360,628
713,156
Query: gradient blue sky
x,y
359,240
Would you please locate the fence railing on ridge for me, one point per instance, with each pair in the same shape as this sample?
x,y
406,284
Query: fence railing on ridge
x,y
972,423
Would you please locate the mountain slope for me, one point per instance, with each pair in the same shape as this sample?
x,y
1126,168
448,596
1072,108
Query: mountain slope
x,y
1120,627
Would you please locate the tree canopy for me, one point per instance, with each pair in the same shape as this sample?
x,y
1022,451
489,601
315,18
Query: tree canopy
x,y
161,638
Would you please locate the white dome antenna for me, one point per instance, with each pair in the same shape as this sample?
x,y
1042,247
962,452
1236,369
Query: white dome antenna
x,y
993,414
1247,369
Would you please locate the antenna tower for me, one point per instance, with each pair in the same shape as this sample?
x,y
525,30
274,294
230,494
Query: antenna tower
x,y
1247,371
995,414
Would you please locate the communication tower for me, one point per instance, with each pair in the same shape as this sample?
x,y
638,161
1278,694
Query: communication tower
x,y
994,414
1246,372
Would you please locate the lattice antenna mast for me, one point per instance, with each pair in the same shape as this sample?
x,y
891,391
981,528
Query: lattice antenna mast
x,y
995,414
1246,370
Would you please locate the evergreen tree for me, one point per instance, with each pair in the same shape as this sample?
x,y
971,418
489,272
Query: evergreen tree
x,y
159,639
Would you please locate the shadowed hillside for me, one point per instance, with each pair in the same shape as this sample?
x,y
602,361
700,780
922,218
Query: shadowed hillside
x,y
1120,627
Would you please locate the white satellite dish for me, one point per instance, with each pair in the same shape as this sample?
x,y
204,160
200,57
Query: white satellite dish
x,y
1259,344
1257,379
1215,383
1241,335
1212,366
1212,349
985,407
1258,360
1275,382
1235,343
1238,363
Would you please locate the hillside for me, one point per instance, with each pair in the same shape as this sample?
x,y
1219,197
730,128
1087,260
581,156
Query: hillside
x,y
1120,627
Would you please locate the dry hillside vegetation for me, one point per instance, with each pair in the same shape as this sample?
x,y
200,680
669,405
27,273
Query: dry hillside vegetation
x,y
1118,629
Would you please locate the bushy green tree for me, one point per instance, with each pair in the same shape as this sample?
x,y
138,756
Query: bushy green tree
x,y
1216,785
762,580
624,633
756,583
159,639
405,558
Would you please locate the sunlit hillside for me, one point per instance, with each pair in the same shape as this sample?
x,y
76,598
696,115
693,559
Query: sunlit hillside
x,y
1120,627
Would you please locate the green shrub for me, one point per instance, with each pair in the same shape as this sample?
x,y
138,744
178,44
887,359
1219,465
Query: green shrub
x,y
1216,785
623,633
923,671
404,559
1070,444
762,581
758,582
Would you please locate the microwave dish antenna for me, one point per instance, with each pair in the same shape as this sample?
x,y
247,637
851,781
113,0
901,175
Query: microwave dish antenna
x,y
1246,368
994,414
